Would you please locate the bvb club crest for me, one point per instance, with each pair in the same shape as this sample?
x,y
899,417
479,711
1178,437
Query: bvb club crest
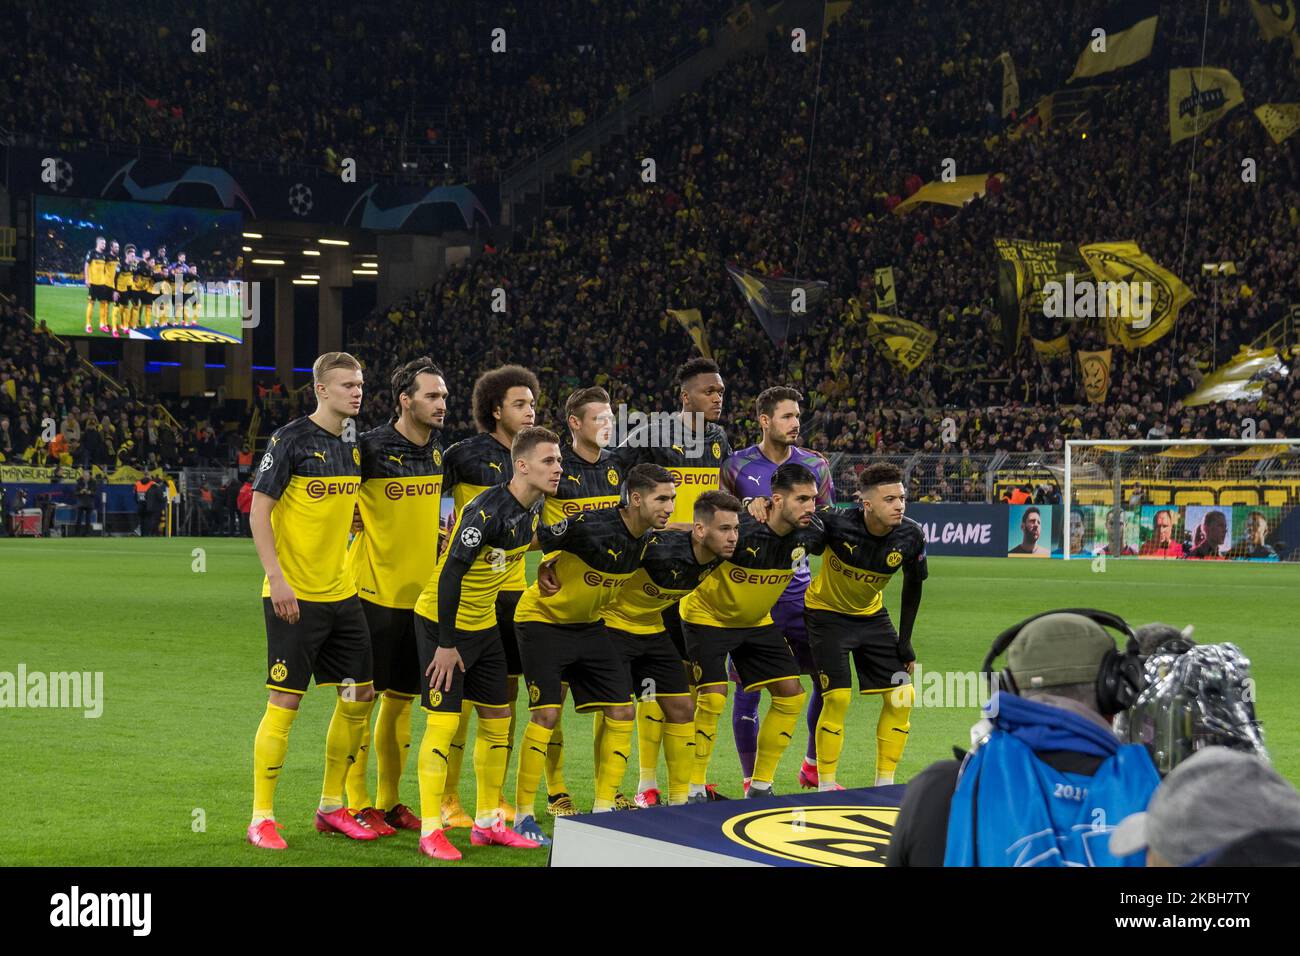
x,y
356,456
435,698
612,477
279,672
717,450
894,559
534,693
437,458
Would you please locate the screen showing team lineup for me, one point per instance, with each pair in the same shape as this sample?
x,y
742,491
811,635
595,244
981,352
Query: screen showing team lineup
x,y
140,271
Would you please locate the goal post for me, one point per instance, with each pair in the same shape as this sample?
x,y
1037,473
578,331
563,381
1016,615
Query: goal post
x,y
1216,498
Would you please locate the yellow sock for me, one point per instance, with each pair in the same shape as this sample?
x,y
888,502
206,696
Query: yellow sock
x,y
679,752
555,763
532,759
708,710
269,747
356,785
775,731
392,741
491,754
456,756
597,728
341,743
615,750
432,768
830,733
90,311
891,731
649,737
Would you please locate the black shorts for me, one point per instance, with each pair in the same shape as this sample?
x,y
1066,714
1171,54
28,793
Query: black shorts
x,y
101,293
673,625
654,665
482,682
584,656
760,654
507,601
392,642
872,642
330,643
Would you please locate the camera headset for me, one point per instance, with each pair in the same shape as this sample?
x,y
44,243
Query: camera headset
x,y
1120,678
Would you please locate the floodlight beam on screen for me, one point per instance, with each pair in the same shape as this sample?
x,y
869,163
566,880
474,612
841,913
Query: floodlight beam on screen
x,y
141,271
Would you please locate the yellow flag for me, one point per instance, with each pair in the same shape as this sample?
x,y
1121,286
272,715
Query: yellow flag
x,y
1119,49
956,193
1278,20
1057,348
1095,369
1142,298
1280,119
1010,85
693,323
886,297
1198,98
902,343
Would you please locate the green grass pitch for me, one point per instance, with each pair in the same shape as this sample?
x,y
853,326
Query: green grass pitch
x,y
183,658
63,309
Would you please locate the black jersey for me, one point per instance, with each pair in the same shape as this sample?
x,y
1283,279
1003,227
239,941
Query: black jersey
x,y
695,470
859,564
584,486
669,571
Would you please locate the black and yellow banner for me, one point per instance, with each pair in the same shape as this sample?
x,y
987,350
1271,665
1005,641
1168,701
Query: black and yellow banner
x,y
1280,119
1010,85
784,307
1129,32
693,323
1277,20
903,343
1135,324
1094,368
1198,98
886,296
1024,267
1052,350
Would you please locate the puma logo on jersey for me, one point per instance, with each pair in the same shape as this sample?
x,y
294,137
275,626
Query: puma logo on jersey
x,y
494,465
396,458
319,454
483,514
850,548
753,478
674,572
574,478
679,449
614,554
753,552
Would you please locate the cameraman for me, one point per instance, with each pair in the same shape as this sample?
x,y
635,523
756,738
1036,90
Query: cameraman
x,y
1048,778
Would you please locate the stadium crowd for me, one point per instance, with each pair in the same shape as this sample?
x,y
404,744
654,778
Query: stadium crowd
x,y
352,86
597,276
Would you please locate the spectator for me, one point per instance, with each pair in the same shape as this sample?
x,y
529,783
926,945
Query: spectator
x,y
245,507
86,490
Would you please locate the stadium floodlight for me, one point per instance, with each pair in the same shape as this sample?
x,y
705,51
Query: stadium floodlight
x,y
252,235
304,282
1213,474
334,242
268,262
365,272
311,252
308,275
246,248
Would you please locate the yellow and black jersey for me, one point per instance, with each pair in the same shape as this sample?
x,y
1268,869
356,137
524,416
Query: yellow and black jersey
x,y
97,267
143,278
859,564
492,533
472,466
111,268
694,469
124,279
161,274
401,500
669,571
316,476
584,486
596,555
741,592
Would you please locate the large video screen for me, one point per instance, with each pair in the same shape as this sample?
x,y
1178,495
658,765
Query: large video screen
x,y
131,270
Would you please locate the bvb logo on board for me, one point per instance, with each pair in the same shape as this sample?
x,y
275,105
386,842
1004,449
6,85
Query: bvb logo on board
x,y
817,835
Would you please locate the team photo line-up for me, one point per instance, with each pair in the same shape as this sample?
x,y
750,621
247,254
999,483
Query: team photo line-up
x,y
663,578
131,292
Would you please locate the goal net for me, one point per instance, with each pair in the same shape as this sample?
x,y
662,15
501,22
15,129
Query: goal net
x,y
1201,499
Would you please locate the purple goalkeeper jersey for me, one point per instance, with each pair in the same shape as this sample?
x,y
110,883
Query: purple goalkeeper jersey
x,y
748,474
